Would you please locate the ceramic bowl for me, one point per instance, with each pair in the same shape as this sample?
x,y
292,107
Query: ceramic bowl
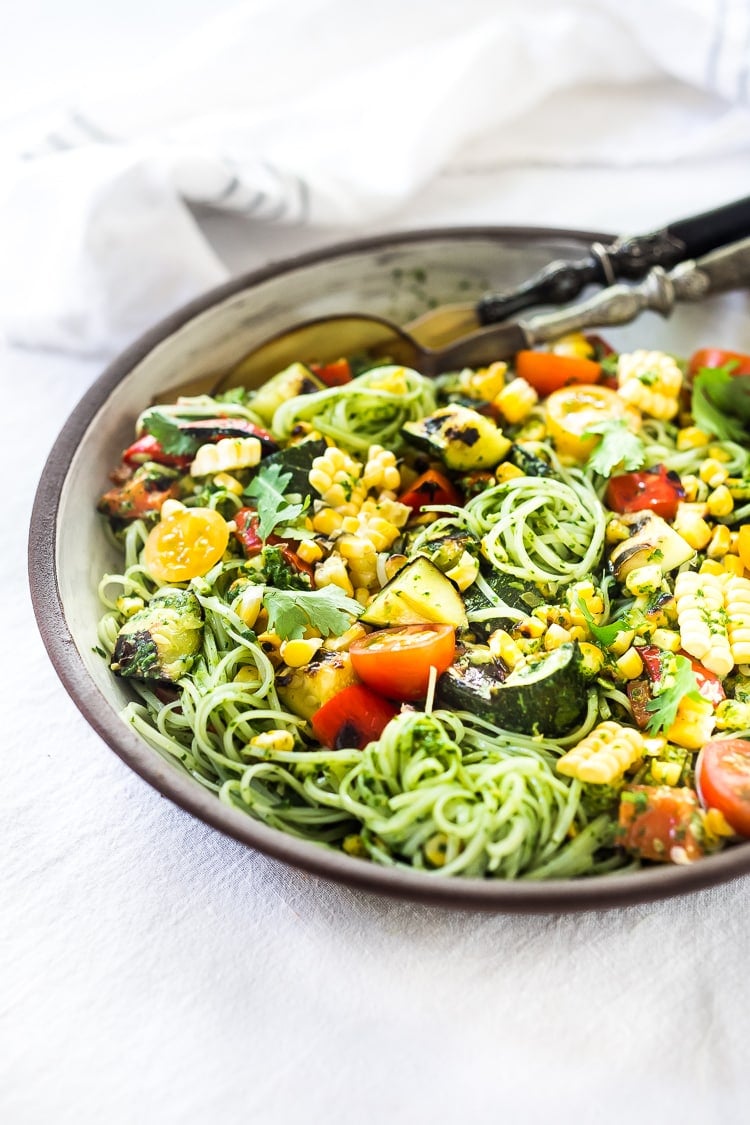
x,y
398,276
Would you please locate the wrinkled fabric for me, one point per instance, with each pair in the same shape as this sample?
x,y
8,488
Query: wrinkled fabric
x,y
316,114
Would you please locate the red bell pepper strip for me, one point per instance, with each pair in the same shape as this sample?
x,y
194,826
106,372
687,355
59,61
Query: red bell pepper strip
x,y
709,685
352,718
431,488
655,489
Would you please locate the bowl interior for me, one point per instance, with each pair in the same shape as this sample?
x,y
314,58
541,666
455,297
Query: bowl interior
x,y
397,277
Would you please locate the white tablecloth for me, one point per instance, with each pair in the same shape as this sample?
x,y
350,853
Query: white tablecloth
x,y
153,971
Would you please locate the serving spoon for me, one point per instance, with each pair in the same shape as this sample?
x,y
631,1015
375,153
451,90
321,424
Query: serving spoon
x,y
560,281
328,338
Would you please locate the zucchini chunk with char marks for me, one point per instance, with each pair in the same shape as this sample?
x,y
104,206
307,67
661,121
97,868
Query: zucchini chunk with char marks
x,y
292,381
462,438
160,642
297,460
511,591
546,696
418,594
651,540
304,690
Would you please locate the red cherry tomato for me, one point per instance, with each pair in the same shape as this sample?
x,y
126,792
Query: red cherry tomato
x,y
723,779
431,488
334,374
658,822
656,489
717,357
548,372
396,662
352,718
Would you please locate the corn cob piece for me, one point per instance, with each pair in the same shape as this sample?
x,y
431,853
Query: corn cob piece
x,y
604,755
703,620
225,456
737,605
650,381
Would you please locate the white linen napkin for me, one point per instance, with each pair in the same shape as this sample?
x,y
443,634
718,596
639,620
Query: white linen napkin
x,y
325,113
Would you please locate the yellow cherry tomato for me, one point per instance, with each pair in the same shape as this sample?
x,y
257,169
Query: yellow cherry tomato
x,y
571,411
186,544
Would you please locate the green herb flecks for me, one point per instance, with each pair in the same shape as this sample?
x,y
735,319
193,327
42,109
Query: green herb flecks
x,y
290,612
720,403
618,447
170,437
666,703
274,507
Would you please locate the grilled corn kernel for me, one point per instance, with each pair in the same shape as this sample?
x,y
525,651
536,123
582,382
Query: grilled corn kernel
x,y
693,487
342,643
531,627
694,724
503,647
691,526
575,344
733,565
592,658
506,471
247,604
464,572
310,551
327,521
732,715
489,381
617,531
716,824
516,400
651,381
711,566
721,542
435,849
691,437
127,606
644,580
332,572
666,773
720,502
247,675
666,639
630,665
273,740
555,636
622,642
719,454
713,472
228,483
298,653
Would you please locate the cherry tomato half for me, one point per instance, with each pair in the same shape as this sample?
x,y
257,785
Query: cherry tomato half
x,y
716,357
185,544
656,819
431,488
352,718
656,489
572,411
548,372
396,662
723,779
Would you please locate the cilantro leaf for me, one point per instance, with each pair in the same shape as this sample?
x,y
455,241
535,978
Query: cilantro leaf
x,y
267,489
717,400
291,611
664,706
168,434
604,634
618,447
609,363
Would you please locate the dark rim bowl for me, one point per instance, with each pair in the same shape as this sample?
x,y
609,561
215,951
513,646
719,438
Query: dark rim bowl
x,y
395,275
